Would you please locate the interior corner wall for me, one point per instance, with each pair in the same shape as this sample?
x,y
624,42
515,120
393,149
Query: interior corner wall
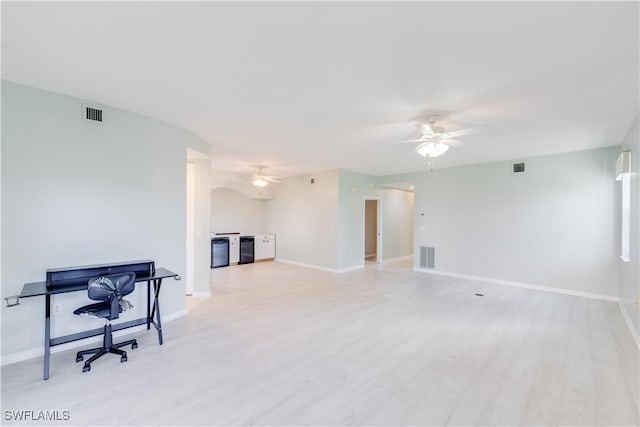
x,y
630,271
304,217
76,192
232,211
322,224
352,189
553,225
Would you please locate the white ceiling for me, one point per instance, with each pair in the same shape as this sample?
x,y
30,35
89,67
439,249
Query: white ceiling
x,y
309,86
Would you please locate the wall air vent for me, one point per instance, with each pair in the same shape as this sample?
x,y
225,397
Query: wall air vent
x,y
427,257
91,113
518,167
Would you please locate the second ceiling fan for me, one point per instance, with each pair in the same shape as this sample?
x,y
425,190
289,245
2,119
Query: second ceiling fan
x,y
261,180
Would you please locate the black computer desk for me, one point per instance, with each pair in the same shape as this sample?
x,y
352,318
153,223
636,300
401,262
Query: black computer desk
x,y
153,310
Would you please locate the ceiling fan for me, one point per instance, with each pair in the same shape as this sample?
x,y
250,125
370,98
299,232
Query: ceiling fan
x,y
434,140
259,179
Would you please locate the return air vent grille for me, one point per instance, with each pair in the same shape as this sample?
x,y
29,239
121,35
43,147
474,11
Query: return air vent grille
x,y
427,257
92,114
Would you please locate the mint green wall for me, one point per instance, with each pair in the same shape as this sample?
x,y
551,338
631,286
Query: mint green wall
x,y
554,225
304,217
397,223
232,211
76,192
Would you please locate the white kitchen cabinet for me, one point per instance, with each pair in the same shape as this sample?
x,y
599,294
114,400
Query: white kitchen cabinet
x,y
234,249
265,246
270,246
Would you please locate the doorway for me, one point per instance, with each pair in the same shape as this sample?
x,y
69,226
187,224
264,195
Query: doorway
x,y
372,230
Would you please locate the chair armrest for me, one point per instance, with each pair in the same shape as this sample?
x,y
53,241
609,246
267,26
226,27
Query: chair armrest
x,y
115,307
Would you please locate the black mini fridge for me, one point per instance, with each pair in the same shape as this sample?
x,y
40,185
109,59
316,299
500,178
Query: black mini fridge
x,y
246,250
219,252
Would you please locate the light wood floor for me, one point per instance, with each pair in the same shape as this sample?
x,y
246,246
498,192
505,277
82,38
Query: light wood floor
x,y
284,345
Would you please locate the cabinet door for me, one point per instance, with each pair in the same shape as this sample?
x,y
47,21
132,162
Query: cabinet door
x,y
269,246
234,249
259,246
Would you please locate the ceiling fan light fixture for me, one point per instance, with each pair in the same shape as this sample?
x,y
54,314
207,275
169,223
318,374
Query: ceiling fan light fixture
x,y
259,182
432,149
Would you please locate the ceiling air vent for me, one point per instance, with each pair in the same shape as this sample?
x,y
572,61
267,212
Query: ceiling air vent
x,y
91,113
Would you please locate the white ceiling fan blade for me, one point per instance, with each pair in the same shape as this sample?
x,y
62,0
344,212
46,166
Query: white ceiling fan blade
x,y
461,132
272,179
425,128
455,143
409,140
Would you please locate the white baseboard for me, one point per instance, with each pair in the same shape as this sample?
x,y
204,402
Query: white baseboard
x,y
200,294
400,258
174,316
317,267
353,268
630,324
370,255
39,351
522,285
301,264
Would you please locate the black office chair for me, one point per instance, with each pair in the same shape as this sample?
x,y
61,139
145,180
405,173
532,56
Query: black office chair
x,y
109,289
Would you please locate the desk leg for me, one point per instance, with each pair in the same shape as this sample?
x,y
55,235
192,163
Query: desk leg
x,y
148,304
156,308
47,335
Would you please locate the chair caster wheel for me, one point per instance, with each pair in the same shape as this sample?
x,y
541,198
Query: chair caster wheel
x,y
134,346
86,368
123,359
79,359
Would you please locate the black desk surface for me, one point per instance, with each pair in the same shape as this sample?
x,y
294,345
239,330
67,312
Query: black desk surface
x,y
40,288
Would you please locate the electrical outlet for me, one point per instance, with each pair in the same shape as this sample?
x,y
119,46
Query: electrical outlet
x,y
490,261
57,309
